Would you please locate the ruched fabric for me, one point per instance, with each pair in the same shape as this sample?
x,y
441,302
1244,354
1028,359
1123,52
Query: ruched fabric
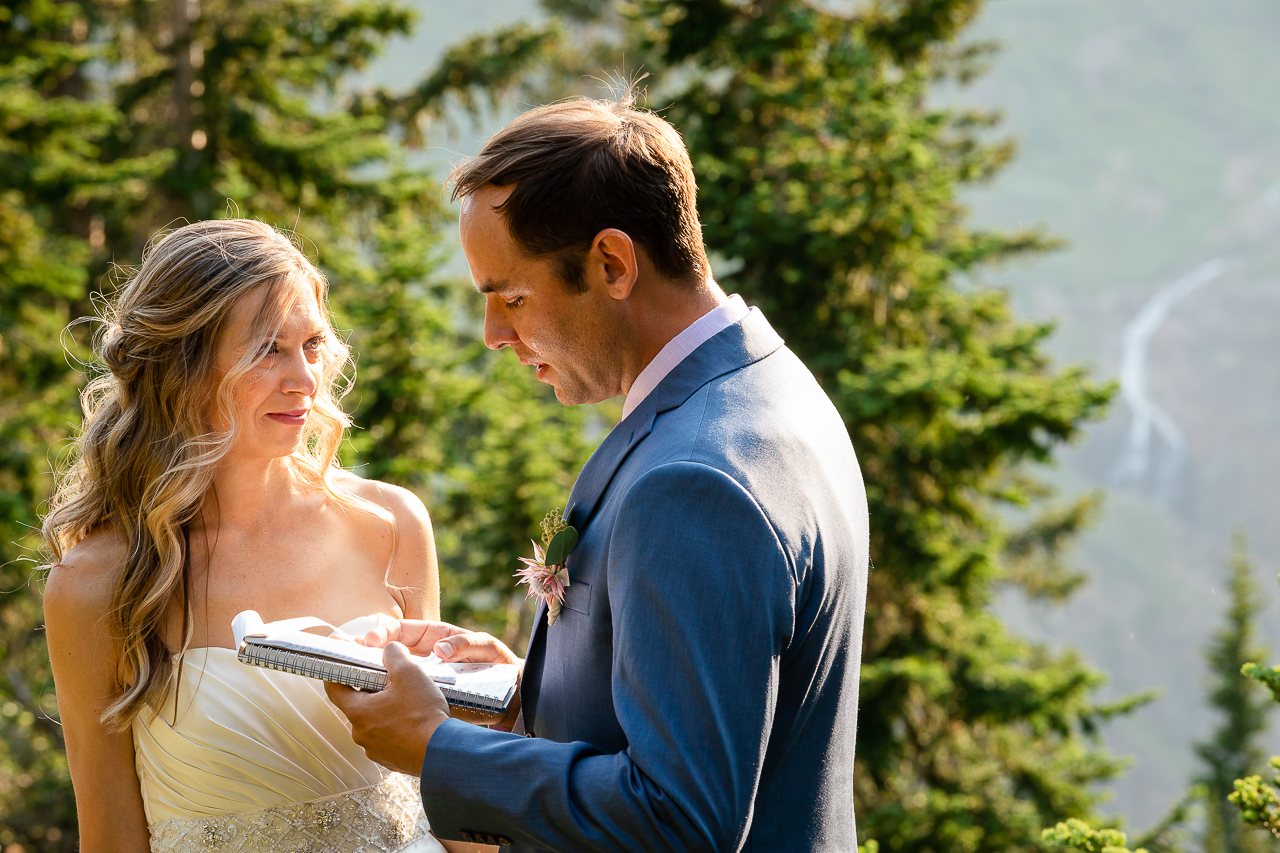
x,y
241,739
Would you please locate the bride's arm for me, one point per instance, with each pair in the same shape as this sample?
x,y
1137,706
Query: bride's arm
x,y
108,797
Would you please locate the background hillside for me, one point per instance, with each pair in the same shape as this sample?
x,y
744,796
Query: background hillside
x,y
1149,139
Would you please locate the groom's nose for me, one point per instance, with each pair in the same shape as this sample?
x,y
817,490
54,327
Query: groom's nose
x,y
498,332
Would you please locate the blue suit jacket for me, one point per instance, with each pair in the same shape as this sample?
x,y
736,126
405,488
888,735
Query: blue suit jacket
x,y
699,690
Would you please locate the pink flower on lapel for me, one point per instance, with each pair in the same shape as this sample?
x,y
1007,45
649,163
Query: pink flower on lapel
x,y
546,582
546,574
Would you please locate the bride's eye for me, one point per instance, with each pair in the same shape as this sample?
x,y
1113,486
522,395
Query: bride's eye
x,y
515,303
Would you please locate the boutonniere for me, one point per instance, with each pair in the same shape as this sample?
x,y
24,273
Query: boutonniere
x,y
546,574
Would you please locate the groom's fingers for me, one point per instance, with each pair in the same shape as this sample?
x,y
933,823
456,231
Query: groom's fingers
x,y
395,725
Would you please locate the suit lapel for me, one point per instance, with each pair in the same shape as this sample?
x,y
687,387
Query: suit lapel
x,y
737,346
741,344
604,463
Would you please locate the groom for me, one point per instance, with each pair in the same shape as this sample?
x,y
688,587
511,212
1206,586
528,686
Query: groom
x,y
699,688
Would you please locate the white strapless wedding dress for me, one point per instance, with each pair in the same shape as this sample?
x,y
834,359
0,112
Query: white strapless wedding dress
x,y
259,761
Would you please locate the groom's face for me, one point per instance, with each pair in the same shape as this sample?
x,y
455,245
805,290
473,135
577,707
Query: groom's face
x,y
567,337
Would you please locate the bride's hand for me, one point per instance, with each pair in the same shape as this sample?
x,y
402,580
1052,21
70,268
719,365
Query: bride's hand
x,y
448,642
454,644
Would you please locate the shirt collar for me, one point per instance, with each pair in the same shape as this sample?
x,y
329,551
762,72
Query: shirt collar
x,y
679,348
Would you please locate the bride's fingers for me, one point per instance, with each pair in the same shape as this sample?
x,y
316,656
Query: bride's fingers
x,y
376,637
419,635
472,646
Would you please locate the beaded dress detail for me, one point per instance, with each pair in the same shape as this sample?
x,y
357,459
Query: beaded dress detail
x,y
258,761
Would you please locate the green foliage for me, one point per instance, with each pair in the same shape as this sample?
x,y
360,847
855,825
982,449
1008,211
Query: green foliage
x,y
560,546
1269,676
1170,834
47,147
121,119
1258,802
1233,753
1078,835
552,524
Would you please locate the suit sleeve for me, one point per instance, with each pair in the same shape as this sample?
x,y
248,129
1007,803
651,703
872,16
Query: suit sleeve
x,y
702,598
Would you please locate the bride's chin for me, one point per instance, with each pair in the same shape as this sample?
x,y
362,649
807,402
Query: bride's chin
x,y
279,450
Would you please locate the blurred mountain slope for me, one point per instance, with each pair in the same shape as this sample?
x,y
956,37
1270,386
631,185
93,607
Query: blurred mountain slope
x,y
1149,138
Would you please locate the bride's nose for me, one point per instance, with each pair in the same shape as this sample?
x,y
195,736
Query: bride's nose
x,y
300,376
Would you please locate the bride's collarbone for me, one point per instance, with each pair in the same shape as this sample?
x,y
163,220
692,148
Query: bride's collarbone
x,y
332,580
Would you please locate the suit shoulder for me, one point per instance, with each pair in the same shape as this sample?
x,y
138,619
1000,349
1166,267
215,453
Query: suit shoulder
x,y
685,482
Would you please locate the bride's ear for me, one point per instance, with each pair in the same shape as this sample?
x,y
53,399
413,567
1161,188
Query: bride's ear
x,y
612,263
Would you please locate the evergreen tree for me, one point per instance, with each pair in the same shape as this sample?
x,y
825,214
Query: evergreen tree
x,y
48,171
1224,789
1233,752
827,189
221,108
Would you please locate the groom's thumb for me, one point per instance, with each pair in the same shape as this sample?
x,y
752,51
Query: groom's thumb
x,y
396,658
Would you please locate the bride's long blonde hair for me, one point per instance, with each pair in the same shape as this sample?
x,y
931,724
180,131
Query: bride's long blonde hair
x,y
145,458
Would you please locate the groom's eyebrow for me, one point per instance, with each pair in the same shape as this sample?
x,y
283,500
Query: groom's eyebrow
x,y
491,285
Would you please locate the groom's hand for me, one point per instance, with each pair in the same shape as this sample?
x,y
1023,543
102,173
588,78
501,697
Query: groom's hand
x,y
394,725
454,644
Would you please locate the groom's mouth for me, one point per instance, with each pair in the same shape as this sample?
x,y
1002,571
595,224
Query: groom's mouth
x,y
539,367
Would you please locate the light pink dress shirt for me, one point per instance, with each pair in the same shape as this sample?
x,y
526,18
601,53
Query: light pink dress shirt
x,y
681,346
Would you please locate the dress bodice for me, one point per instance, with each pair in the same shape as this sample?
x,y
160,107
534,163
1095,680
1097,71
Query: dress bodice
x,y
239,745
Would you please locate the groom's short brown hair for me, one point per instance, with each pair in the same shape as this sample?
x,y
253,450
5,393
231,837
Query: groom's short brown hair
x,y
584,165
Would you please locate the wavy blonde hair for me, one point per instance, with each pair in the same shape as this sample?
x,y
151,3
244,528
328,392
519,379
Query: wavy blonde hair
x,y
145,459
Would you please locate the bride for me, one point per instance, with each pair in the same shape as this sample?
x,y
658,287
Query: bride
x,y
205,483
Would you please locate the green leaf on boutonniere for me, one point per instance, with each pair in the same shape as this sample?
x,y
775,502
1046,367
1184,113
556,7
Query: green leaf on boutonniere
x,y
560,545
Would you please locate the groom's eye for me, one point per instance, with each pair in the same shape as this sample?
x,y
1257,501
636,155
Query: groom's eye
x,y
515,303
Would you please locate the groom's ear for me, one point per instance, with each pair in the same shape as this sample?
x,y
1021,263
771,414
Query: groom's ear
x,y
612,263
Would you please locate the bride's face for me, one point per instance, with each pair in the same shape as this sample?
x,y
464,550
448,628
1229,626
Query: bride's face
x,y
273,400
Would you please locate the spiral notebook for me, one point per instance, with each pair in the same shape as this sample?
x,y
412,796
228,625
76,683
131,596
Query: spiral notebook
x,y
286,646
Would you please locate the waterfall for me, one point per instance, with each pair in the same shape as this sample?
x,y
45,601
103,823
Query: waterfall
x,y
1149,422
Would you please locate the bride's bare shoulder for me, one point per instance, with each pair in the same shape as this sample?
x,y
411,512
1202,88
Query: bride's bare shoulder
x,y
404,506
79,588
413,563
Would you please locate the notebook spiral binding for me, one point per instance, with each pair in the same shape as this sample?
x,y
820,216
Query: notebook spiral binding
x,y
352,675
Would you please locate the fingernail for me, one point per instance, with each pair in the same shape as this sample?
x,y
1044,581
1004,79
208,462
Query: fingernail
x,y
446,649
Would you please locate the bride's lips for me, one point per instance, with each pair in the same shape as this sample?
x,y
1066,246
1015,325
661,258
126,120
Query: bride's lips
x,y
296,417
